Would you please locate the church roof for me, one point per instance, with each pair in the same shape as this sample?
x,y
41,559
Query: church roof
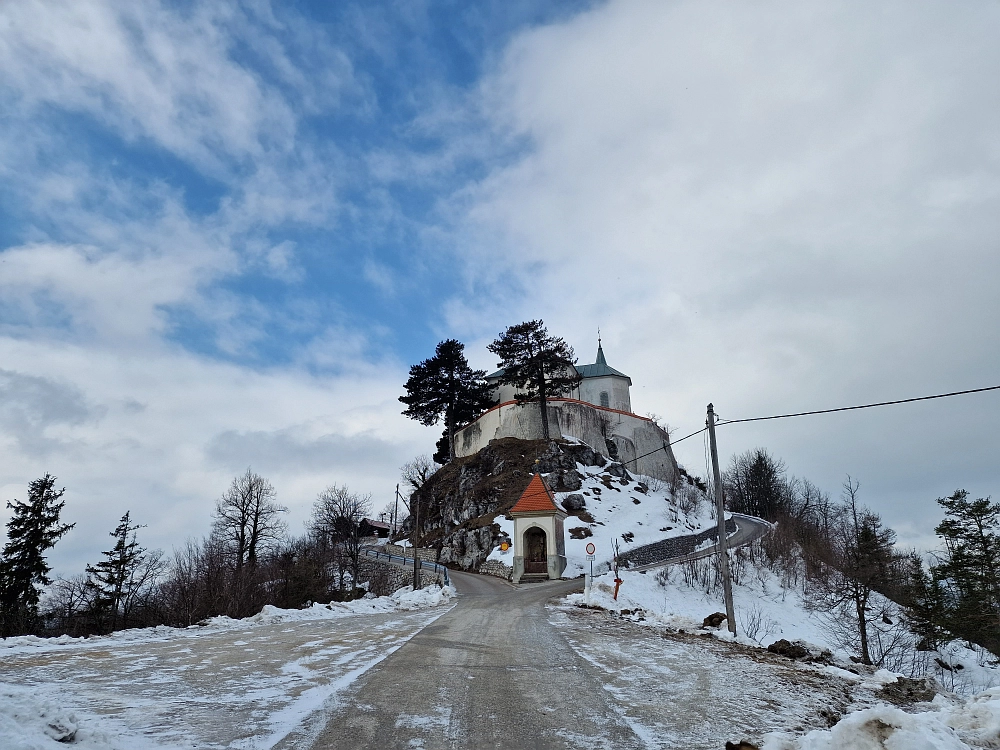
x,y
536,497
600,368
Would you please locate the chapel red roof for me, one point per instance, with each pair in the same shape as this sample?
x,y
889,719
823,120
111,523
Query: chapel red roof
x,y
535,498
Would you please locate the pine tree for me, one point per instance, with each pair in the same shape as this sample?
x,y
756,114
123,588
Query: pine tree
x,y
755,484
536,363
446,387
927,601
32,530
116,578
970,566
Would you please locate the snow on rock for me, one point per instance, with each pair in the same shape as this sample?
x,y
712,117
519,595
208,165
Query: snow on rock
x,y
633,511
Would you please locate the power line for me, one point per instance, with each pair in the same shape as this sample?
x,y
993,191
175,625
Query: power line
x,y
819,411
862,406
667,445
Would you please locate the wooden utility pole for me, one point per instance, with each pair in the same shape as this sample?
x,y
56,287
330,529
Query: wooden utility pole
x,y
395,514
415,504
720,512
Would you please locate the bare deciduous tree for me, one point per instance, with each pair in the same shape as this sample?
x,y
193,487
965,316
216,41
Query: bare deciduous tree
x,y
863,552
248,520
337,516
415,473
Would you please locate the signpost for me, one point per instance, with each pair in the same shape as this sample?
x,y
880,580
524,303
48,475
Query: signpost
x,y
591,550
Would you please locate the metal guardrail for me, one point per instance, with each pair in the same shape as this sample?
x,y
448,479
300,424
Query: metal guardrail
x,y
407,562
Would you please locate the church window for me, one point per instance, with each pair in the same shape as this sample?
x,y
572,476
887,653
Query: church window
x,y
605,399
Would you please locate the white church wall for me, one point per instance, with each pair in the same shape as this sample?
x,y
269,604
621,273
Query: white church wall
x,y
631,435
615,387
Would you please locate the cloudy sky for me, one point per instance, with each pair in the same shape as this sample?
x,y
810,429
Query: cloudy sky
x,y
227,229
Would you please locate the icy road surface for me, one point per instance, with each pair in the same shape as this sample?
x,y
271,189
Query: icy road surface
x,y
256,686
503,670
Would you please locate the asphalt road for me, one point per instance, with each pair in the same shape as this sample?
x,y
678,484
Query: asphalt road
x,y
748,529
491,673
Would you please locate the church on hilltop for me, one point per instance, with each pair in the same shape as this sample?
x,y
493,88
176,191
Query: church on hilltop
x,y
598,412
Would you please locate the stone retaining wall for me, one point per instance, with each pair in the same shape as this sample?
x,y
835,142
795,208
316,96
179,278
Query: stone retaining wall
x,y
668,549
496,568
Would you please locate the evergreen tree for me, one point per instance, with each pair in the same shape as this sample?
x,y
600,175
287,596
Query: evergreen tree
x,y
31,531
970,567
446,387
755,484
927,601
442,449
117,578
536,363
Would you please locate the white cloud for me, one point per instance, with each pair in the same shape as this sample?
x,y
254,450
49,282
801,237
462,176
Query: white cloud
x,y
147,72
776,207
162,433
96,390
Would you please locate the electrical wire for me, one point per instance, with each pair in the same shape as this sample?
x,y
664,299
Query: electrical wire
x,y
819,411
668,445
862,406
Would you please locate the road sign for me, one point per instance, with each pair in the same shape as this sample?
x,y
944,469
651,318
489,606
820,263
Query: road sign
x,y
591,549
591,557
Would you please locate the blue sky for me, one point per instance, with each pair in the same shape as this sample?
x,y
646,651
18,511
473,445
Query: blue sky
x,y
227,229
367,90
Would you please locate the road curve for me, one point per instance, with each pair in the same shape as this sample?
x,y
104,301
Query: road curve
x,y
491,673
748,529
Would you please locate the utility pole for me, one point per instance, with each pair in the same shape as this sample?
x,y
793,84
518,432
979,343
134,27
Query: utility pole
x,y
720,512
395,513
415,504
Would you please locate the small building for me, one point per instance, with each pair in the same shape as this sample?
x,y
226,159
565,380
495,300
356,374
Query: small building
x,y
539,538
371,527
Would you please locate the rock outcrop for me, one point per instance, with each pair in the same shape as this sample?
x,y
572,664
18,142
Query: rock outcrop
x,y
459,503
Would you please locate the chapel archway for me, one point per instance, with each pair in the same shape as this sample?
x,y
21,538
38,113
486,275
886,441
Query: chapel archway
x,y
536,558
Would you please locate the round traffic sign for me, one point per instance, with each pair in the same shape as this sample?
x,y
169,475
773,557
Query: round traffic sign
x,y
591,549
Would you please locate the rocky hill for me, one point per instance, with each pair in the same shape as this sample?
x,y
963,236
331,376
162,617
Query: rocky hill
x,y
463,505
460,502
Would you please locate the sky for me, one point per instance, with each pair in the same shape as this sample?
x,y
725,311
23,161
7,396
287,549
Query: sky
x,y
227,229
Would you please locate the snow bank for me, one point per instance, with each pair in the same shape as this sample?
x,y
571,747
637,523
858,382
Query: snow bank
x,y
29,721
403,600
765,611
974,723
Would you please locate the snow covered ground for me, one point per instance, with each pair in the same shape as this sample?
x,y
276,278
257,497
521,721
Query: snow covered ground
x,y
945,725
639,518
966,715
231,683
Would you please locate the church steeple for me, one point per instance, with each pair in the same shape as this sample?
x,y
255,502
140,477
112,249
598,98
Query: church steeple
x,y
600,351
